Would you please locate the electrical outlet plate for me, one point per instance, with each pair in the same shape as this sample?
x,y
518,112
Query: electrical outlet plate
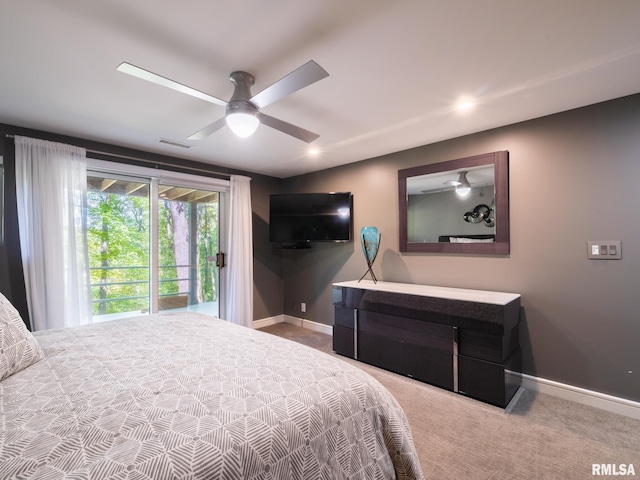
x,y
604,250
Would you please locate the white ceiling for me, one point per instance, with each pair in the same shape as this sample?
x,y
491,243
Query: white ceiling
x,y
396,69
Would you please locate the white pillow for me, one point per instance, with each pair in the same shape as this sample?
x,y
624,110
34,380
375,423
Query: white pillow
x,y
18,347
470,240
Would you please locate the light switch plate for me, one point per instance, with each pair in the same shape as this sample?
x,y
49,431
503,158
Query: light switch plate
x,y
604,250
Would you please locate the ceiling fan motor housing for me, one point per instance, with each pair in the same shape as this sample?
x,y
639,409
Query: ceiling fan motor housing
x,y
240,101
243,82
241,106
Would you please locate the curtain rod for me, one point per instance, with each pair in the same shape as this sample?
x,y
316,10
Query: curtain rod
x,y
152,162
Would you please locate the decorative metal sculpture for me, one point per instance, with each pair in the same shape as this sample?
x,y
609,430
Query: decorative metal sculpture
x,y
482,213
370,241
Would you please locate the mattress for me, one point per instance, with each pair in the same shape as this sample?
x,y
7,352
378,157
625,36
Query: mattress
x,y
184,395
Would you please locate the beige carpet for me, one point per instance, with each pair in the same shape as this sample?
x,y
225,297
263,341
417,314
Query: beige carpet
x,y
538,437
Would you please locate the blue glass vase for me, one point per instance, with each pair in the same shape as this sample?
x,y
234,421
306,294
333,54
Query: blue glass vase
x,y
370,242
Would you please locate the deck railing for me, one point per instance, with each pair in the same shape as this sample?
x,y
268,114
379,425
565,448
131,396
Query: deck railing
x,y
143,282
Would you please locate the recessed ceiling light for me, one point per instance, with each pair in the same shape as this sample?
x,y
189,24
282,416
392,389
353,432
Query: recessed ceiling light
x,y
465,104
314,152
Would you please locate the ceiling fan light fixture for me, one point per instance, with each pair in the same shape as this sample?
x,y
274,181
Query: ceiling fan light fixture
x,y
463,187
463,191
242,123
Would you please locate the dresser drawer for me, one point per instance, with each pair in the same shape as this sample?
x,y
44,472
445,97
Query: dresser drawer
x,y
493,348
407,330
489,381
343,341
424,364
344,317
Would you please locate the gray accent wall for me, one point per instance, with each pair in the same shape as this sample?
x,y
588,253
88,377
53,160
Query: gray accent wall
x,y
574,177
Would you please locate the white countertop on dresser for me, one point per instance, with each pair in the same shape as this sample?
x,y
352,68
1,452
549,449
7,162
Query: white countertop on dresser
x,y
478,296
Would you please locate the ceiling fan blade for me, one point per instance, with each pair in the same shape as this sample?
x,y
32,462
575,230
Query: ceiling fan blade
x,y
302,77
284,127
165,82
209,129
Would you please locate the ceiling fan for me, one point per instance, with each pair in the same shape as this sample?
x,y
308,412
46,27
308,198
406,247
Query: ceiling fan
x,y
243,114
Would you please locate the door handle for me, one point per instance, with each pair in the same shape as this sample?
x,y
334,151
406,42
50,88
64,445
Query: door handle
x,y
220,260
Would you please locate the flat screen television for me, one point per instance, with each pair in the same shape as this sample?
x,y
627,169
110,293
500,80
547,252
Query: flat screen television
x,y
301,218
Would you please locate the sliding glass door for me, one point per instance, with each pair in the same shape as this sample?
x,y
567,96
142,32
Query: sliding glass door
x,y
152,247
188,277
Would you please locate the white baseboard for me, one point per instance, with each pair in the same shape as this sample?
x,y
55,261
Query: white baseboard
x,y
592,398
301,322
265,322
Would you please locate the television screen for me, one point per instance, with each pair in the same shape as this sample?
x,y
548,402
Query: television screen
x,y
310,217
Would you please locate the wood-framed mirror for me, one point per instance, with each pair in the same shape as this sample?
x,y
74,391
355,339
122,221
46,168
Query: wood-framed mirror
x,y
436,217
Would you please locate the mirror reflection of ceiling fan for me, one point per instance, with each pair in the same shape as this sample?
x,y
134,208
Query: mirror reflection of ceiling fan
x,y
462,185
243,114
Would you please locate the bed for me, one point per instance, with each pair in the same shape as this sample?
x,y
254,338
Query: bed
x,y
189,396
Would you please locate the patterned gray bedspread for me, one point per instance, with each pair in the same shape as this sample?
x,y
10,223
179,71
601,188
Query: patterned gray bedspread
x,y
185,396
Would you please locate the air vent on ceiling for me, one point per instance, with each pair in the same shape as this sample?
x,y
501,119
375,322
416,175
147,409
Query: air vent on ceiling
x,y
173,143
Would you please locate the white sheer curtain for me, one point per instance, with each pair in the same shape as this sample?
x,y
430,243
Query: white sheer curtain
x,y
51,185
240,259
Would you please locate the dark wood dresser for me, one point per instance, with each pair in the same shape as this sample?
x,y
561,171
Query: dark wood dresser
x,y
463,340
